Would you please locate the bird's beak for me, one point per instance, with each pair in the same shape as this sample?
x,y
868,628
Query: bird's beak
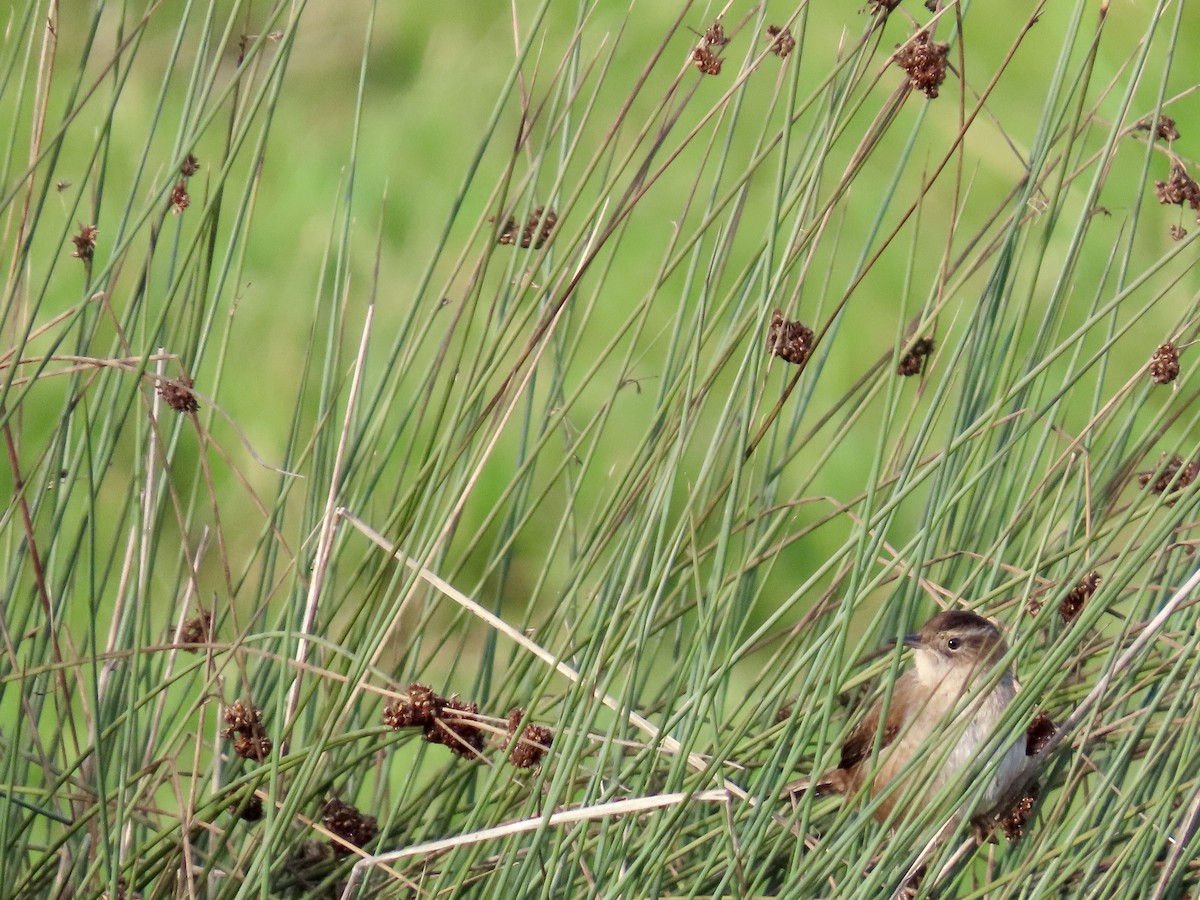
x,y
913,640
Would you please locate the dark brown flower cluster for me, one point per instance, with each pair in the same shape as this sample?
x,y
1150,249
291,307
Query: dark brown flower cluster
x,y
85,242
925,62
178,396
248,809
790,341
1177,232
1016,819
179,194
1178,189
1038,734
1072,604
914,360
198,629
245,729
1164,364
884,6
707,56
1166,128
449,721
782,42
347,823
531,746
1176,475
537,230
179,197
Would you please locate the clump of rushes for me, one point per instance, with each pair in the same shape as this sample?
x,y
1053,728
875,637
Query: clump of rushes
x,y
790,341
447,721
782,42
197,629
245,729
1164,364
1175,475
178,395
533,744
925,62
1072,604
914,360
347,823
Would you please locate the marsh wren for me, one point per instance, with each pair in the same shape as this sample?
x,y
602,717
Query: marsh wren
x,y
953,651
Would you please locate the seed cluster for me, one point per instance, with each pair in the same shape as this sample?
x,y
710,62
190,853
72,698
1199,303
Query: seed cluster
x,y
178,394
248,809
531,746
448,721
85,242
791,341
1072,604
347,823
1165,130
179,194
925,62
1176,475
538,228
1179,188
707,56
198,629
914,361
245,729
782,42
1164,364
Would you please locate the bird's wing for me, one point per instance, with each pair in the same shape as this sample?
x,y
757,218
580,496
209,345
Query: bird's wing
x,y
859,745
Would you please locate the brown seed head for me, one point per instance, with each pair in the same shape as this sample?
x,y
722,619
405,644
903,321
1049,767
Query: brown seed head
x,y
179,197
1164,364
85,242
1166,128
925,62
1175,476
706,61
1178,189
347,823
790,341
1038,734
248,809
533,744
1018,817
914,361
1072,604
197,629
782,42
177,395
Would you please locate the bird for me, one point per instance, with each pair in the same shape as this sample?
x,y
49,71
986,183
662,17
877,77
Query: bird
x,y
952,652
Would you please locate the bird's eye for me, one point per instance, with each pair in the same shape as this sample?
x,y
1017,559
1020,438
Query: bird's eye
x,y
953,643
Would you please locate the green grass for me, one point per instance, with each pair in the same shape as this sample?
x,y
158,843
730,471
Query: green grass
x,y
568,477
